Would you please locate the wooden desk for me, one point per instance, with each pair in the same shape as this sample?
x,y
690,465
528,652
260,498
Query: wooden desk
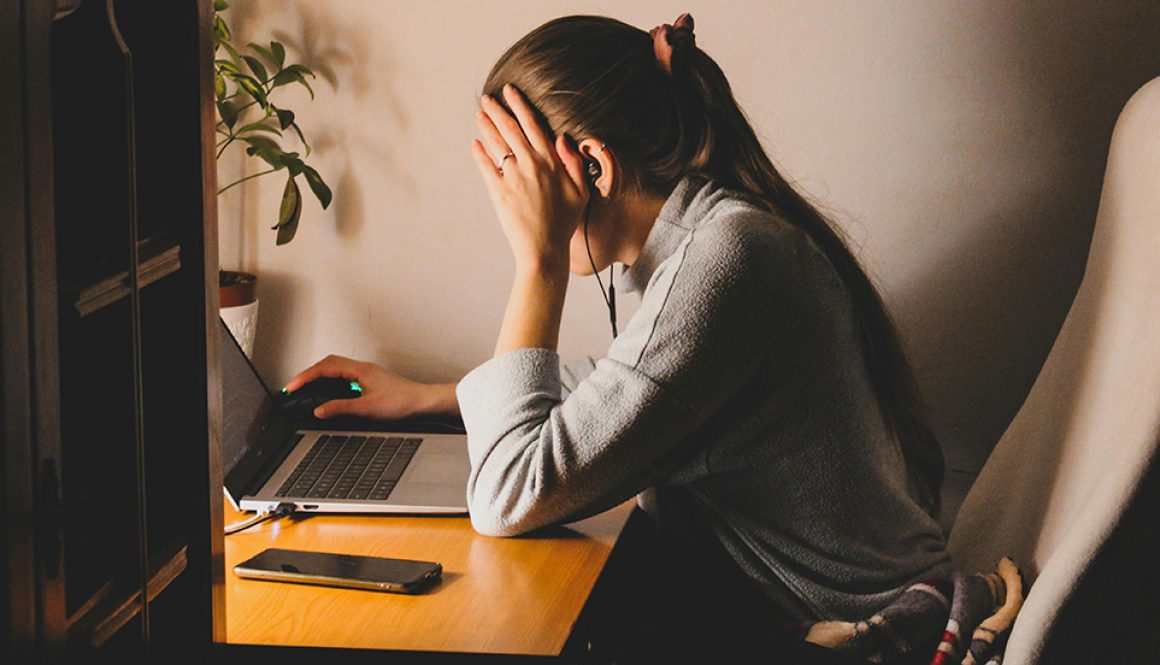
x,y
498,595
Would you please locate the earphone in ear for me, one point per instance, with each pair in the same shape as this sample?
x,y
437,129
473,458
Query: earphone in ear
x,y
594,170
593,173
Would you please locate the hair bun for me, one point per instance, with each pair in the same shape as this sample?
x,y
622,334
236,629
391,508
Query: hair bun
x,y
665,37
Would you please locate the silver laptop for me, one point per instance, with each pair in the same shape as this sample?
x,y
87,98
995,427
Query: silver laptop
x,y
270,460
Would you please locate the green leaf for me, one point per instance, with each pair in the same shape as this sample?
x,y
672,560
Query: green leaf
x,y
252,88
233,55
283,77
267,56
301,69
220,5
271,157
294,163
266,149
285,118
219,88
301,137
261,142
220,27
228,113
256,67
260,126
302,79
227,67
279,53
219,33
292,74
290,212
318,186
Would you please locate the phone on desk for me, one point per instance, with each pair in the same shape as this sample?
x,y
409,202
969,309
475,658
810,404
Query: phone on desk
x,y
341,570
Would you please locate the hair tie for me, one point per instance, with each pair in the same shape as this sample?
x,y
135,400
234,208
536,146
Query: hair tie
x,y
665,36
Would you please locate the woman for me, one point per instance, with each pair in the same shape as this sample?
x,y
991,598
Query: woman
x,y
758,401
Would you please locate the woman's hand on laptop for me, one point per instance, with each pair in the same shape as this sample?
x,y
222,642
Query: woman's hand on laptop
x,y
385,394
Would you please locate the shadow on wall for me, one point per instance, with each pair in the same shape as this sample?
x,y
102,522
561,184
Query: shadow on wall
x,y
985,316
361,73
356,81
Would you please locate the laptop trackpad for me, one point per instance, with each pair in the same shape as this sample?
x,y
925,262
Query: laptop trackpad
x,y
434,479
437,468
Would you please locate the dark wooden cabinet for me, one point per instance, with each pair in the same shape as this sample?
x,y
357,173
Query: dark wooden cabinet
x,y
108,314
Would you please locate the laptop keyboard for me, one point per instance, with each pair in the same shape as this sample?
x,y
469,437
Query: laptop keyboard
x,y
351,467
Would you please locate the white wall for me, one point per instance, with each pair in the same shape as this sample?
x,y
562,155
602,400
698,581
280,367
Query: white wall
x,y
960,143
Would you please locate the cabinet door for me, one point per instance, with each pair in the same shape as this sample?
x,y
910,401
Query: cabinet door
x,y
112,489
17,545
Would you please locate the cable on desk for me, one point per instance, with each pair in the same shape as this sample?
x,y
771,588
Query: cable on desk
x,y
282,510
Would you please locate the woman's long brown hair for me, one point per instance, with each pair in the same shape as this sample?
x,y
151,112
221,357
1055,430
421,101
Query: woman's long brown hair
x,y
592,76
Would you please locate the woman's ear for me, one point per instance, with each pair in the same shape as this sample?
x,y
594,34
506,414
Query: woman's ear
x,y
599,166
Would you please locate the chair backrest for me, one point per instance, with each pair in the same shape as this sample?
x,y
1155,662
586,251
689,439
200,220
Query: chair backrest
x,y
1072,459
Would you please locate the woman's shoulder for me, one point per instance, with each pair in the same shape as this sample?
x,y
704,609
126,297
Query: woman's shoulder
x,y
737,226
727,243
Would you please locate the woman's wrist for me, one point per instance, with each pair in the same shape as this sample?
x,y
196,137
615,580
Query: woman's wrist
x,y
536,303
547,267
437,399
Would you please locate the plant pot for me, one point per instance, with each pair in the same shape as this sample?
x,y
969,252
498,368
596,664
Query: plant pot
x,y
239,306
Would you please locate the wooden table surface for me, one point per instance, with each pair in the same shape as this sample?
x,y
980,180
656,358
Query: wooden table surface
x,y
498,595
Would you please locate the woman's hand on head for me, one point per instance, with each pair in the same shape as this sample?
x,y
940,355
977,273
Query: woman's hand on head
x,y
540,191
385,394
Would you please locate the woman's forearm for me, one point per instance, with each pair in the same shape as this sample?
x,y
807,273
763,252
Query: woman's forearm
x,y
534,309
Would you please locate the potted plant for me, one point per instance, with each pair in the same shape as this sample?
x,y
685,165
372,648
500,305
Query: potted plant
x,y
245,81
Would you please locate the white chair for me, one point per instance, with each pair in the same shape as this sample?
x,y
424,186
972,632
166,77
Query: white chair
x,y
1073,458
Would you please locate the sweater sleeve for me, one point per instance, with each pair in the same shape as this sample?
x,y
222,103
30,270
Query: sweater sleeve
x,y
540,458
571,374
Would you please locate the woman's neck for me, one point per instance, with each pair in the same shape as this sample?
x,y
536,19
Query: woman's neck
x,y
638,215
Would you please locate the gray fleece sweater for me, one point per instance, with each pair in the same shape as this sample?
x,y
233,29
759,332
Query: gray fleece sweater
x,y
735,403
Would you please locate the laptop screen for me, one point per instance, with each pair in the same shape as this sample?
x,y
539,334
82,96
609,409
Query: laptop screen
x,y
248,408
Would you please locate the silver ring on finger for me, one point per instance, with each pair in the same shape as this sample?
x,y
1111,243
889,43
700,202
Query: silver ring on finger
x,y
499,165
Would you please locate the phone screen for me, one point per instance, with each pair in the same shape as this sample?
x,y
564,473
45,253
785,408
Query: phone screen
x,y
346,570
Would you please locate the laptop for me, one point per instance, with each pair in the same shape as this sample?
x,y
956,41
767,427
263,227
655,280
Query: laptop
x,y
269,460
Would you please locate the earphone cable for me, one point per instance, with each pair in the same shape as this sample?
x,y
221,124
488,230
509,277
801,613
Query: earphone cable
x,y
610,297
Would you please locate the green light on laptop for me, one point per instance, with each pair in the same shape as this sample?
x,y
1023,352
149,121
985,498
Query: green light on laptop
x,y
355,386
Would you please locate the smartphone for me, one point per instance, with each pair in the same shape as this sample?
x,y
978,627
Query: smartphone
x,y
342,570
